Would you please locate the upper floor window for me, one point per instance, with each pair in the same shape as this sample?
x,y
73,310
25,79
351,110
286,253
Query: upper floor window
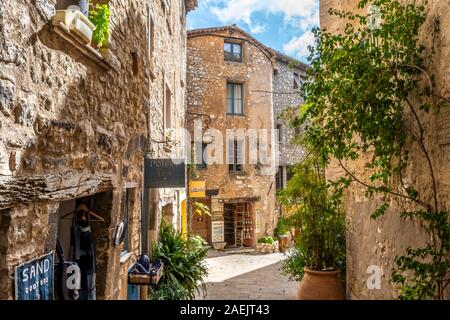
x,y
297,81
280,132
127,205
200,154
234,98
233,52
235,155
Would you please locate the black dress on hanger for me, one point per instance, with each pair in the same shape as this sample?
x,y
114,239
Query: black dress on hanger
x,y
82,252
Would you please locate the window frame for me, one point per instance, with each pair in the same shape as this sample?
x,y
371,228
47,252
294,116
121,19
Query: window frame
x,y
126,208
279,127
297,84
233,98
203,165
233,45
236,167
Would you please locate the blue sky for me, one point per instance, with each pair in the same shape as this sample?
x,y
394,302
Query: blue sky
x,y
284,25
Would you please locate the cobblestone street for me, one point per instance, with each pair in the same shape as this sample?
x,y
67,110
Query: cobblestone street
x,y
247,277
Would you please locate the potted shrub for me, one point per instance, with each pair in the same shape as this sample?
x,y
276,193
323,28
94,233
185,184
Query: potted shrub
x,y
99,16
318,256
282,233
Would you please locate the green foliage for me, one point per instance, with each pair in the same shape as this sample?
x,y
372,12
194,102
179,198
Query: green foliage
x,y
282,227
368,91
184,268
267,239
320,240
202,209
99,16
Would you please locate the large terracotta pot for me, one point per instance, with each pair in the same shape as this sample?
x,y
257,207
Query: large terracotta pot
x,y
320,285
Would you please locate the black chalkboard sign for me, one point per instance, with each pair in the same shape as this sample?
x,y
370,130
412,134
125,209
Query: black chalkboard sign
x,y
164,173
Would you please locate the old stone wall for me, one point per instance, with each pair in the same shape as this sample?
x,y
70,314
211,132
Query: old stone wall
x,y
285,98
73,124
208,74
377,242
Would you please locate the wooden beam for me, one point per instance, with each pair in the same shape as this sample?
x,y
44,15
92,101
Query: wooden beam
x,y
24,190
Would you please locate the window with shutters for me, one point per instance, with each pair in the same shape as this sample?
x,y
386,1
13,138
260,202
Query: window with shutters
x,y
125,216
235,155
235,98
200,154
297,81
232,51
279,178
280,132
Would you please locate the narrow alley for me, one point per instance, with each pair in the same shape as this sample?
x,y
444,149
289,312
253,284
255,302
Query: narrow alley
x,y
247,276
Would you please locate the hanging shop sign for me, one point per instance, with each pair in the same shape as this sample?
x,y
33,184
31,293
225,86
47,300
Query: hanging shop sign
x,y
164,173
218,231
197,189
33,279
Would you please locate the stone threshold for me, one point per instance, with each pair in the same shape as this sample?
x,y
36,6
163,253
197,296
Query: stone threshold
x,y
62,30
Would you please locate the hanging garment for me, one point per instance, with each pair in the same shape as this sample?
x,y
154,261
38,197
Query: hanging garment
x,y
64,276
82,252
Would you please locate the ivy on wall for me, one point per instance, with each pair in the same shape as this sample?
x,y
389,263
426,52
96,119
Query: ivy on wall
x,y
369,92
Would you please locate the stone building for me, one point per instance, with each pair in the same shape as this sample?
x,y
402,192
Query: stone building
x,y
377,242
288,77
231,81
75,124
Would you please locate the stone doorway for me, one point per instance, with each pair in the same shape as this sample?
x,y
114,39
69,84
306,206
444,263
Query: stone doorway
x,y
238,225
100,204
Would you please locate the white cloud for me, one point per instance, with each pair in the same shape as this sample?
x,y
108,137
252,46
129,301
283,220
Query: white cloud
x,y
234,11
258,28
298,46
299,16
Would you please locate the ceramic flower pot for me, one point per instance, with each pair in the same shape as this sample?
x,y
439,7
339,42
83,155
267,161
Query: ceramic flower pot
x,y
320,285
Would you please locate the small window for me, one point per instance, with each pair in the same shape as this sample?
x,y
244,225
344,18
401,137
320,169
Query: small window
x,y
297,81
235,155
126,212
200,155
279,178
168,108
235,98
290,173
280,132
233,52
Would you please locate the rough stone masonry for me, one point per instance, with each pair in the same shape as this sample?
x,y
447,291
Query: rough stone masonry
x,y
75,123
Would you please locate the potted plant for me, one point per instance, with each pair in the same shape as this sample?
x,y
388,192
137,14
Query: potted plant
x,y
99,16
318,257
184,265
282,233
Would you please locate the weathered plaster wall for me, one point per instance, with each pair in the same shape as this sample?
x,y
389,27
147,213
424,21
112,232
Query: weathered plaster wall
x,y
207,82
69,128
377,242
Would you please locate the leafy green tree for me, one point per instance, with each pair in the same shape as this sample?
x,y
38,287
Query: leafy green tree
x,y
369,96
318,218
